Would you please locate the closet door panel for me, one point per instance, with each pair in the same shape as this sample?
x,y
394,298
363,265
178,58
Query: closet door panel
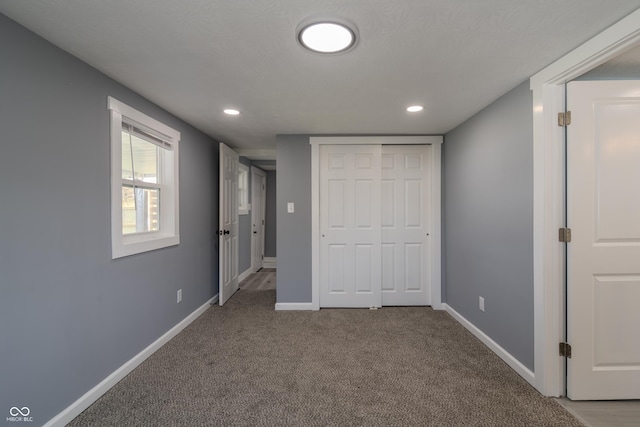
x,y
406,177
350,241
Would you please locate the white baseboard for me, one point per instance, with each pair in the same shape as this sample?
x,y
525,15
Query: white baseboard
x,y
244,275
283,306
73,410
269,262
503,354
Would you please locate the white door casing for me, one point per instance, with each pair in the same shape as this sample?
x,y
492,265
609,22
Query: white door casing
x,y
258,199
603,257
406,200
350,226
228,231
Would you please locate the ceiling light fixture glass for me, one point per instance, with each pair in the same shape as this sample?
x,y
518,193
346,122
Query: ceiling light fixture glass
x,y
327,37
415,108
231,112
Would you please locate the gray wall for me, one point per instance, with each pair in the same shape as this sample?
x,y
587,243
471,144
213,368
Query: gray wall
x,y
270,233
69,314
488,221
244,231
294,236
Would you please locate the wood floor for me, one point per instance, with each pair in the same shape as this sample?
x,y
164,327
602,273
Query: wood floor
x,y
592,414
623,413
263,280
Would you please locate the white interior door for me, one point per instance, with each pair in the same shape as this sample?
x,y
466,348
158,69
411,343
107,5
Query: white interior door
x,y
228,232
350,226
603,257
406,207
258,198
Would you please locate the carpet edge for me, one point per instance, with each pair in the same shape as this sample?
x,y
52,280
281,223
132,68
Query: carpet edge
x,y
503,354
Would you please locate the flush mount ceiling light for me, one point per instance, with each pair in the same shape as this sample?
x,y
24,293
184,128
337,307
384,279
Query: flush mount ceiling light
x,y
231,112
415,108
327,36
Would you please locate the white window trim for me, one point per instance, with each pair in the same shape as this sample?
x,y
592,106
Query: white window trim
x,y
169,234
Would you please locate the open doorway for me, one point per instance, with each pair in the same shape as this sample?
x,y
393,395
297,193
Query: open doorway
x,y
257,223
549,210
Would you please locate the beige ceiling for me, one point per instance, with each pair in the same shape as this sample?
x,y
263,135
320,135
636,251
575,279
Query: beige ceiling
x,y
197,57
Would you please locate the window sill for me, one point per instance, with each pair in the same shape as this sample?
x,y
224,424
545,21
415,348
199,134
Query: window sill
x,y
136,247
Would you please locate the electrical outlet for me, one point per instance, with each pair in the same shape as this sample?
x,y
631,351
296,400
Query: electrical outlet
x,y
481,304
179,296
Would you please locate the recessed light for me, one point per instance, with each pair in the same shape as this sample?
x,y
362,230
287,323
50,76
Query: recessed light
x,y
231,112
415,108
327,37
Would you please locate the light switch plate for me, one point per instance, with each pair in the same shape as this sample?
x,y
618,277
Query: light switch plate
x,y
290,207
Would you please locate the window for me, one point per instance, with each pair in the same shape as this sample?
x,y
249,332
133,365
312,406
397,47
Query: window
x,y
144,182
243,190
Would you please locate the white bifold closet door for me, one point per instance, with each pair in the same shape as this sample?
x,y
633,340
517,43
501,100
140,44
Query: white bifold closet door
x,y
374,225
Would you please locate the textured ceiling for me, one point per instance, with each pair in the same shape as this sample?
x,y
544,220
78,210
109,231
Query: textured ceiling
x,y
196,57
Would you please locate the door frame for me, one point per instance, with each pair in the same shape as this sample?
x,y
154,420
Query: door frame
x,y
549,192
256,215
436,142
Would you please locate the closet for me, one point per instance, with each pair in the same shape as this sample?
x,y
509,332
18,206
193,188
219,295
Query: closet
x,y
378,222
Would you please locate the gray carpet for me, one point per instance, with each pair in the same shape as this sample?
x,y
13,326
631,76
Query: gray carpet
x,y
245,364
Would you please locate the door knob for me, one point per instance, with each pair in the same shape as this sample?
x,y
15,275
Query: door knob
x,y
226,231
